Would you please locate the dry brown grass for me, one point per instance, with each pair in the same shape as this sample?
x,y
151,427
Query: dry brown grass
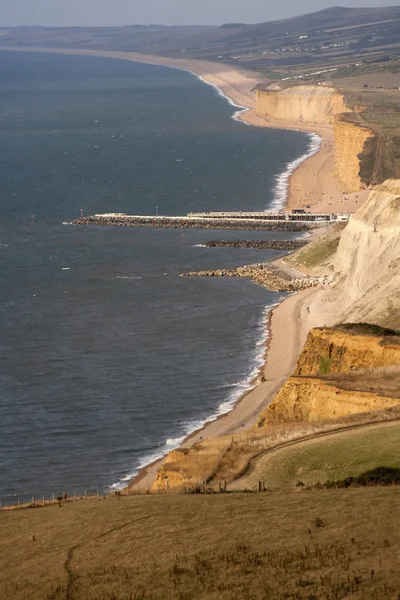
x,y
350,453
309,545
384,381
227,458
315,257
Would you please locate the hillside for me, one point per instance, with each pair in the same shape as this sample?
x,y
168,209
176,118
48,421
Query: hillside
x,y
325,459
319,544
295,41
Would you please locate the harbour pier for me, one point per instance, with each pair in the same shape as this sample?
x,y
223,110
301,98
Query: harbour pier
x,y
267,221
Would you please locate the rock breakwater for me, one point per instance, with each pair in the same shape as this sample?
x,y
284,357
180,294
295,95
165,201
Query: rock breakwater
x,y
193,223
273,279
259,244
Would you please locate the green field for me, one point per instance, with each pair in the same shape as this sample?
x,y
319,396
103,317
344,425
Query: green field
x,y
330,458
303,545
383,119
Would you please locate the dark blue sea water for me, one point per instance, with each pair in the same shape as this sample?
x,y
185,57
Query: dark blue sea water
x,y
107,357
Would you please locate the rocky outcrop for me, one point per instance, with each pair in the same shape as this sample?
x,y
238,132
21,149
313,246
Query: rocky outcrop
x,y
311,104
274,280
339,373
354,152
367,262
259,244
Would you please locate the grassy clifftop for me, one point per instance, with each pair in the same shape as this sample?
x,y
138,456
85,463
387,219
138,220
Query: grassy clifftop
x,y
320,544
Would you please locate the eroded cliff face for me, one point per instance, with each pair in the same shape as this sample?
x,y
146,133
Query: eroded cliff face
x,y
337,351
302,104
328,384
355,142
186,467
312,399
354,152
367,262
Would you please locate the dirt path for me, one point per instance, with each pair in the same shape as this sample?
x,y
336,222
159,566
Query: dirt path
x,y
256,467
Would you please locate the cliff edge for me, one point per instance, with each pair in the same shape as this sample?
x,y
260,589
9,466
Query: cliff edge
x,y
311,104
341,371
367,261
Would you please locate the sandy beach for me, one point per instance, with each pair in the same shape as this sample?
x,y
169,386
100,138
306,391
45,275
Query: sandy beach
x,y
312,184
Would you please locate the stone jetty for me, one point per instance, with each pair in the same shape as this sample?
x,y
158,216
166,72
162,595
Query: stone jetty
x,y
286,245
262,274
121,220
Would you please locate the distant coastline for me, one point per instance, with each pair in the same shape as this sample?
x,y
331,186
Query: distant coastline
x,y
285,332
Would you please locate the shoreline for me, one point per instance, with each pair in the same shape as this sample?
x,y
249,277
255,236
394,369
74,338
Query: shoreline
x,y
287,323
147,473
312,182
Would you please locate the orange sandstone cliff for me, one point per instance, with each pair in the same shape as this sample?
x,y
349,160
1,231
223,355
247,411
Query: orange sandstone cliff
x,y
354,152
355,142
339,373
301,104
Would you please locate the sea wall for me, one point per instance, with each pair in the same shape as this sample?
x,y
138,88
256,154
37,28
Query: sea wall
x,y
287,245
301,104
194,223
333,377
354,152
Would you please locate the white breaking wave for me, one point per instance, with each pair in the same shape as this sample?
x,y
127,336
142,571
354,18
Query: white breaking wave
x,y
282,183
236,115
238,389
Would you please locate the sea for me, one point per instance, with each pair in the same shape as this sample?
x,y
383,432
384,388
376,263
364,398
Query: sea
x,y
108,357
